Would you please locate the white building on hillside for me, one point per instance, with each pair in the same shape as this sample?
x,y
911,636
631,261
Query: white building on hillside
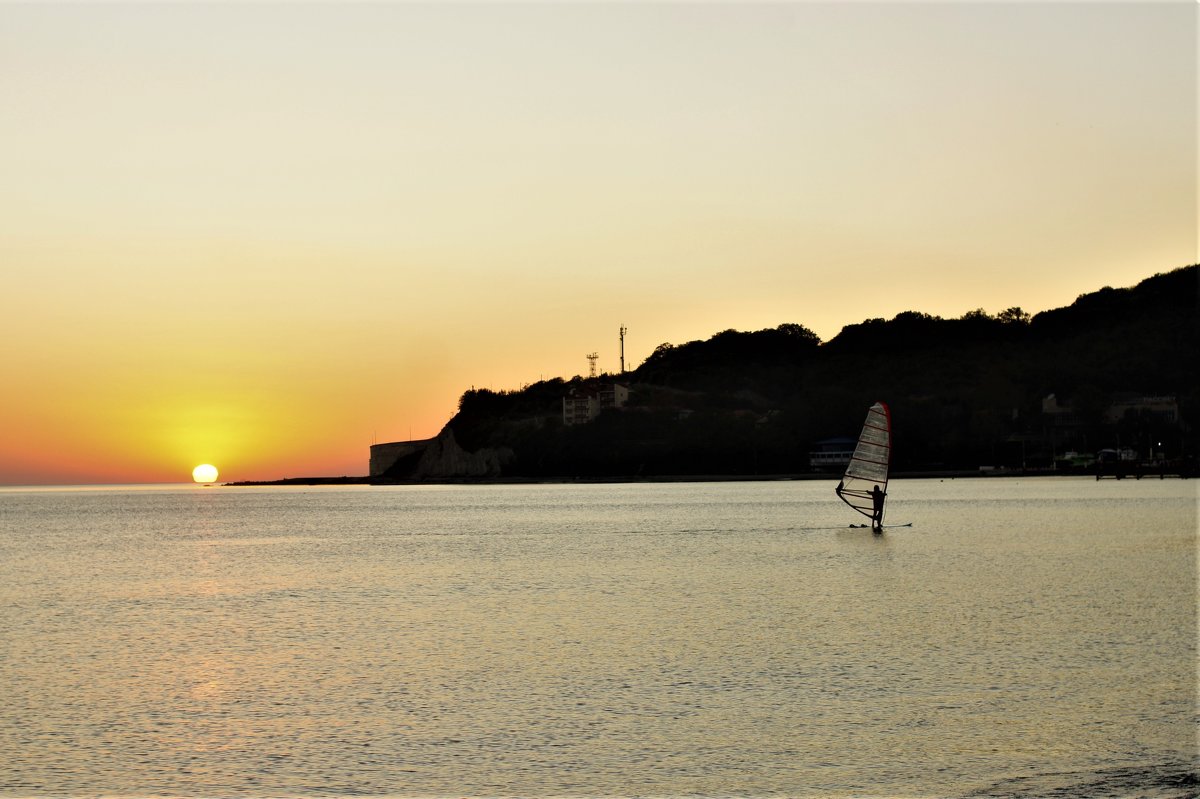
x,y
583,404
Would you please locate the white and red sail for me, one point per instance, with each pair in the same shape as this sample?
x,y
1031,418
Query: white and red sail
x,y
869,464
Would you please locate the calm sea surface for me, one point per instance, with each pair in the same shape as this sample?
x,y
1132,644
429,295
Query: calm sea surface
x,y
1025,637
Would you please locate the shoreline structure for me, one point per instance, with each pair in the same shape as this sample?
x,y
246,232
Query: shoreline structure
x,y
690,478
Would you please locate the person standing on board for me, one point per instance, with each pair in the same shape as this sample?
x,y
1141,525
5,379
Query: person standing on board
x,y
877,496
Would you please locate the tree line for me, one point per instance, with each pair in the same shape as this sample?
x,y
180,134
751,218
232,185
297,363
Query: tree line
x,y
963,392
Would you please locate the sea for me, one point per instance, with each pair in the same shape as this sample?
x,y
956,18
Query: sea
x,y
1024,637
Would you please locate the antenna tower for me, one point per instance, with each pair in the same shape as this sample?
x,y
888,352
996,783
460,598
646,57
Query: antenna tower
x,y
592,356
623,331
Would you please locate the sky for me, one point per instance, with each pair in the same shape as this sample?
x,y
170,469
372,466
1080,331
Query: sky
x,y
265,236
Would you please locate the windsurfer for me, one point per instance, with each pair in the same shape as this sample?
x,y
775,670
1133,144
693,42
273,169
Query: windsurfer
x,y
877,497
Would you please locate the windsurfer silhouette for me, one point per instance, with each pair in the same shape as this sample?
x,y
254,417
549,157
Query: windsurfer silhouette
x,y
877,496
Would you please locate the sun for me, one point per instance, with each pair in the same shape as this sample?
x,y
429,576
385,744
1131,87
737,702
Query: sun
x,y
205,473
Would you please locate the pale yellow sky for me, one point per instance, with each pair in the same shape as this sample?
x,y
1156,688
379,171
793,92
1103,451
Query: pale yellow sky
x,y
263,235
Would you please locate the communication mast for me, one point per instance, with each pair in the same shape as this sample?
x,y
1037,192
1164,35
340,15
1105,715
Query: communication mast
x,y
623,330
592,356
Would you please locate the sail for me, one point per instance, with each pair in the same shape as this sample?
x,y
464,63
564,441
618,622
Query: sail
x,y
869,463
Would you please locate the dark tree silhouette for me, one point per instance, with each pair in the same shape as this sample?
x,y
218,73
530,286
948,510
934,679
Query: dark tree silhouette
x,y
964,391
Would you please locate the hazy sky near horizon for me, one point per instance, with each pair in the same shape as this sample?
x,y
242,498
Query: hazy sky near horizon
x,y
264,235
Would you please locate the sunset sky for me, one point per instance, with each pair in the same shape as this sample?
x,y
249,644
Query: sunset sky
x,y
263,236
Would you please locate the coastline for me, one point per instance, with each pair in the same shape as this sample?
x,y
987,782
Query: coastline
x,y
948,474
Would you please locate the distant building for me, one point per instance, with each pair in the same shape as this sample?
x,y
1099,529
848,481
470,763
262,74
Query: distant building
x,y
831,454
385,456
1164,410
1160,409
1061,414
584,403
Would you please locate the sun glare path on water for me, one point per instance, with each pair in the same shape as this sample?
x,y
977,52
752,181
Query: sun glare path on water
x,y
205,473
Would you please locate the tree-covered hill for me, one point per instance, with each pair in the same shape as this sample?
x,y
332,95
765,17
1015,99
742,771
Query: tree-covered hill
x,y
963,392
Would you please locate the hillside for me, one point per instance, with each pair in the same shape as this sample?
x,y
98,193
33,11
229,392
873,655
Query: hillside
x,y
963,392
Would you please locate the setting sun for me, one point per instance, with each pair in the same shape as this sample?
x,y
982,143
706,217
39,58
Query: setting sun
x,y
205,473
